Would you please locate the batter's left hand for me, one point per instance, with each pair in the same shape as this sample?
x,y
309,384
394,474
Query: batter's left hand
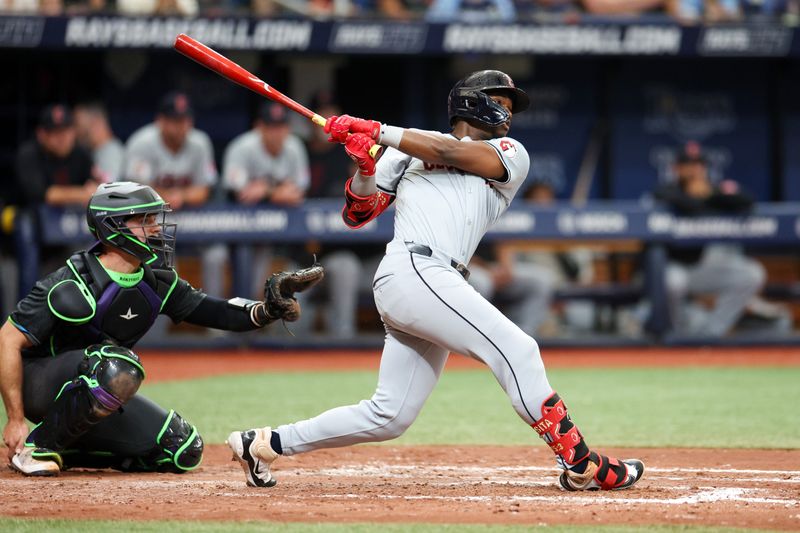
x,y
340,126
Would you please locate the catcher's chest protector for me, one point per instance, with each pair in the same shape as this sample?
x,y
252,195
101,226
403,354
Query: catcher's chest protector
x,y
122,314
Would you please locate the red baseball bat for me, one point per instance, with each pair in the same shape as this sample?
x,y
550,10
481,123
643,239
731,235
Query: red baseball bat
x,y
226,68
197,51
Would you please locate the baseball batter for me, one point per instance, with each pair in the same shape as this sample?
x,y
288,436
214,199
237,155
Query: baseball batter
x,y
448,189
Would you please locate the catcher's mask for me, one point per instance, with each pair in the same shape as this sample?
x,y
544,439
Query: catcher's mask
x,y
113,204
470,98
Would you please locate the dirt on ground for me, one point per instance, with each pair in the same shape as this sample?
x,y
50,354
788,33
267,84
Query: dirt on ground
x,y
436,484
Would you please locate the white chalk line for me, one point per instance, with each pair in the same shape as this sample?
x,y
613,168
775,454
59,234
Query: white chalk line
x,y
733,494
553,469
484,476
428,471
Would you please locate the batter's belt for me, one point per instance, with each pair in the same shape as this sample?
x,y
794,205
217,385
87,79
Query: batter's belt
x,y
422,249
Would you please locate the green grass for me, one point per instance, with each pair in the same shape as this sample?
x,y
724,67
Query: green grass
x,y
98,526
688,407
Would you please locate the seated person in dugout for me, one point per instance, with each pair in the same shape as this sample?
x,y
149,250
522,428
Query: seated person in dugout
x,y
66,353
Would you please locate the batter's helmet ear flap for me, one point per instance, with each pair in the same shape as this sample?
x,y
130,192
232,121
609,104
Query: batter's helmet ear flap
x,y
470,98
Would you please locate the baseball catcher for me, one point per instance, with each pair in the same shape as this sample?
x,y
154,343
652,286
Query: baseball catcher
x,y
66,352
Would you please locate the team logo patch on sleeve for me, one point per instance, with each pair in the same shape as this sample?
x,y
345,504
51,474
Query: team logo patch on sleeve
x,y
509,148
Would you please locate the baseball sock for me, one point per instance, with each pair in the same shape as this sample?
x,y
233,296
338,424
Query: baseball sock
x,y
275,442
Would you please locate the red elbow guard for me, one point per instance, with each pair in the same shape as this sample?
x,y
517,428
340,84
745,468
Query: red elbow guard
x,y
358,210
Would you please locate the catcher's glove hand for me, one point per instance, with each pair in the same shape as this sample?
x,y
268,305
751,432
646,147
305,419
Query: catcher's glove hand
x,y
279,291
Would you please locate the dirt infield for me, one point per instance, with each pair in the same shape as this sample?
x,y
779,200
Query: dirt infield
x,y
438,484
491,485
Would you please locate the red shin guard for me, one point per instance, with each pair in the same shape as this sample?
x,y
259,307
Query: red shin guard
x,y
583,469
557,430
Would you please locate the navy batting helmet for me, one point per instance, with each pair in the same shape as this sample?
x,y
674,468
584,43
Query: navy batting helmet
x,y
469,98
110,207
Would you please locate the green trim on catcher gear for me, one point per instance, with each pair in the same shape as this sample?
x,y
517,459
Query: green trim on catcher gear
x,y
182,449
52,346
171,288
126,208
164,426
103,352
174,457
124,279
98,453
30,443
78,278
45,454
63,299
59,393
136,241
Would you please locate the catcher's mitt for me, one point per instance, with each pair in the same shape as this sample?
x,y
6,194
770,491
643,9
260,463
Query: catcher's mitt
x,y
280,288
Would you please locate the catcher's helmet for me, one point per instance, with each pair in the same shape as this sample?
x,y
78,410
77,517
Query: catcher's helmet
x,y
113,203
469,98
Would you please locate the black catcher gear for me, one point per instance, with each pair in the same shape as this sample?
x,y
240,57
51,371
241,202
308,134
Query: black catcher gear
x,y
279,300
178,449
108,376
113,203
470,98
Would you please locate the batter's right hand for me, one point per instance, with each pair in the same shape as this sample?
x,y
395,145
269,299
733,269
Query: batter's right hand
x,y
357,147
14,435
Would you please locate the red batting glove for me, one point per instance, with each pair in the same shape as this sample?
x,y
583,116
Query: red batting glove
x,y
367,127
357,147
338,128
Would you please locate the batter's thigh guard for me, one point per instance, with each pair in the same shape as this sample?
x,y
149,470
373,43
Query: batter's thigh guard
x,y
178,449
108,376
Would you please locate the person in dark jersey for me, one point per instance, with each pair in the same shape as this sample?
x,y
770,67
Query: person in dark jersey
x,y
66,352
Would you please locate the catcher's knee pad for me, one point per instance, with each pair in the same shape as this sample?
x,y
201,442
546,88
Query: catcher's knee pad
x,y
179,448
108,376
116,371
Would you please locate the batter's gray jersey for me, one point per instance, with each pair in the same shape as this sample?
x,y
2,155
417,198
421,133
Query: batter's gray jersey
x,y
147,160
445,207
428,307
246,160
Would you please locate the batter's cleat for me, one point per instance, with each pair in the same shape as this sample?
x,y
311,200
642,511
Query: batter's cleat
x,y
603,473
33,461
253,451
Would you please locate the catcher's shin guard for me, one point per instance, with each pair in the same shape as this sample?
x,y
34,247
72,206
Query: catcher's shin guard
x,y
178,449
583,469
108,377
